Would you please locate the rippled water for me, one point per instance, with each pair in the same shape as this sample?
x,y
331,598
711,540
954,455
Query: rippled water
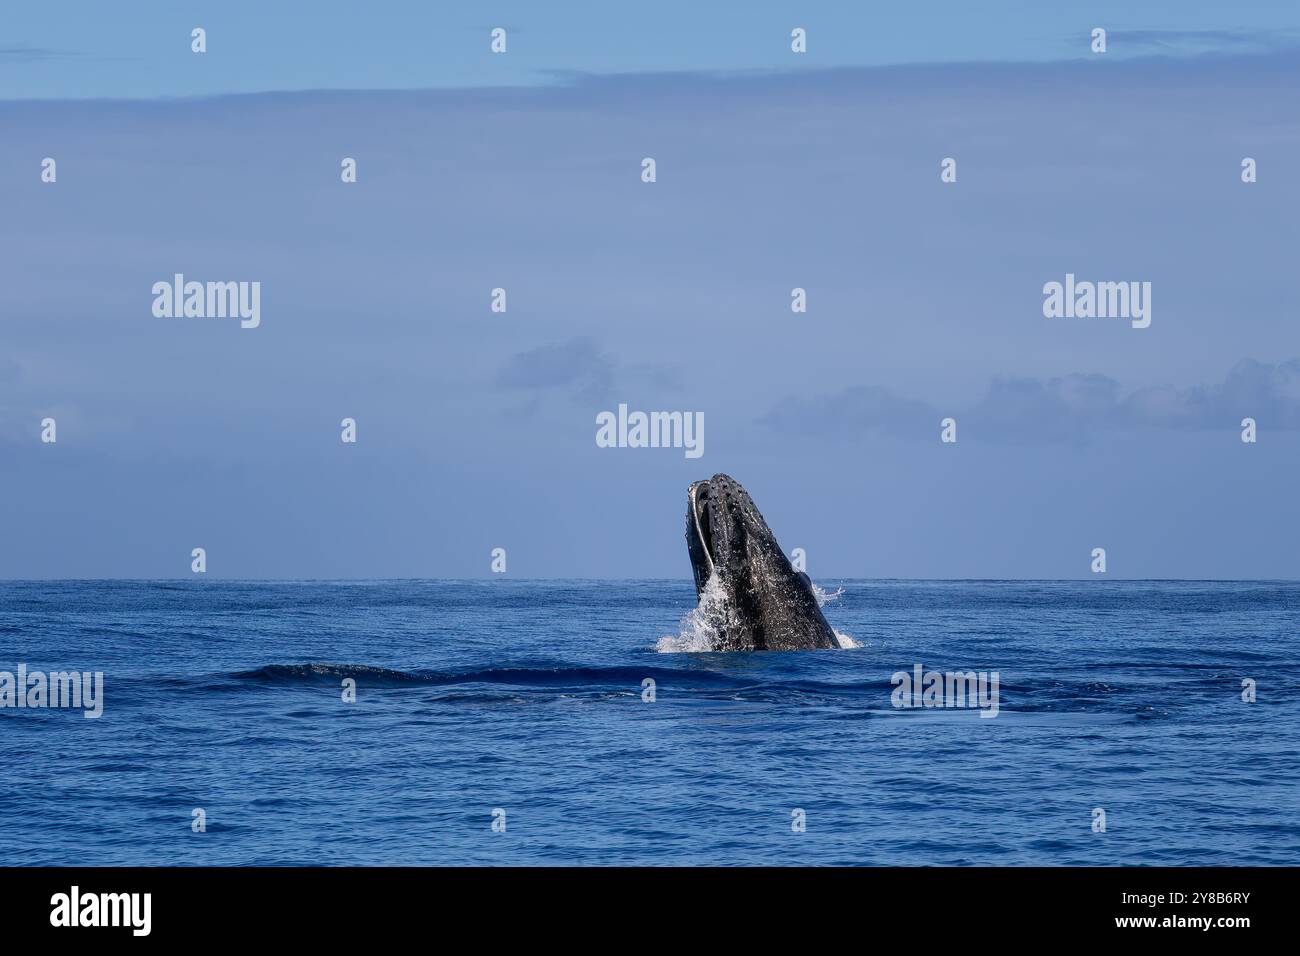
x,y
527,696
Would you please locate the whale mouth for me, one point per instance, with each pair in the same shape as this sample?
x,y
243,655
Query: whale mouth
x,y
699,505
720,518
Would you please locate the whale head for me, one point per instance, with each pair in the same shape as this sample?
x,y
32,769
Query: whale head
x,y
769,605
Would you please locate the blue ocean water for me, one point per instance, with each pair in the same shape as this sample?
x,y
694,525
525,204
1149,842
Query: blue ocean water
x,y
526,696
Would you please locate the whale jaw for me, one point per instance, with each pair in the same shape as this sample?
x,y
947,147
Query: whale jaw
x,y
769,605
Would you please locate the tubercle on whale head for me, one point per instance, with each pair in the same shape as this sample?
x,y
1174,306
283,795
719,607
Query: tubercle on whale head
x,y
724,529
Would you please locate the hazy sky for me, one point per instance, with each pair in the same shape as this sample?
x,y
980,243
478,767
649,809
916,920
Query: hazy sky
x,y
476,430
89,48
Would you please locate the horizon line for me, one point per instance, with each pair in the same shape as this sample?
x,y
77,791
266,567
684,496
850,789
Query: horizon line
x,y
195,579
554,79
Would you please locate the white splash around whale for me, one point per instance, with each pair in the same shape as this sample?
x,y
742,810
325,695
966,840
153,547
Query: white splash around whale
x,y
701,629
847,643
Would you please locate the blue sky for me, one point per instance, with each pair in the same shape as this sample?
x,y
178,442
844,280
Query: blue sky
x,y
476,430
142,49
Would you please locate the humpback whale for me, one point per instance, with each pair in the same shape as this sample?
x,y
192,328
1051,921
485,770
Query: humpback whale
x,y
766,604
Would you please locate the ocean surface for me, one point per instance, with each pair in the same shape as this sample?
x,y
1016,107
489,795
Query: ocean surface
x,y
527,697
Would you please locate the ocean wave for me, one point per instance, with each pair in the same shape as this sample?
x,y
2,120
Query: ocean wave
x,y
766,680
542,677
762,681
781,679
